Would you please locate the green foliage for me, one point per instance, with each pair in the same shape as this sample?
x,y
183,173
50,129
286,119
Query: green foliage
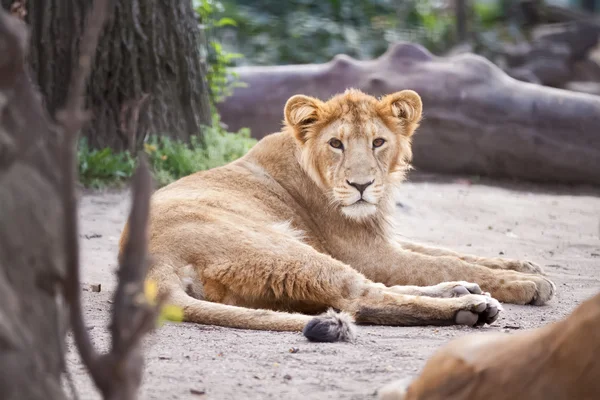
x,y
308,31
438,25
170,159
98,168
221,80
487,14
493,28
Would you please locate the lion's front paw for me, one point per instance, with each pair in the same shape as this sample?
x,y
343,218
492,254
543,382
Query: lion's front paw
x,y
544,291
527,267
517,288
476,310
453,289
523,266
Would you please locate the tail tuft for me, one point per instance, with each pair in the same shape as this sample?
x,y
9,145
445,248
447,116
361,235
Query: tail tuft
x,y
330,327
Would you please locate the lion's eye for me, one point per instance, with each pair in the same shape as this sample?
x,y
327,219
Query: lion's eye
x,y
378,142
336,144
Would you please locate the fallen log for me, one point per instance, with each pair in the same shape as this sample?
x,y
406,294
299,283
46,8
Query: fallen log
x,y
477,119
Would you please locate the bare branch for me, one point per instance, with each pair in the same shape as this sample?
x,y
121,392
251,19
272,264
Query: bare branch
x,y
129,119
118,373
19,9
128,310
133,316
71,119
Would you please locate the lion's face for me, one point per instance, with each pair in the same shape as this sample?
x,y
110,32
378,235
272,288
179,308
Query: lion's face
x,y
354,146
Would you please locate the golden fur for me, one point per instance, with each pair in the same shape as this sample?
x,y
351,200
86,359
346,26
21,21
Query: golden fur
x,y
558,362
302,224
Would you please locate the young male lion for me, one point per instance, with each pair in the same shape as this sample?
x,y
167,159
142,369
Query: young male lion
x,y
301,224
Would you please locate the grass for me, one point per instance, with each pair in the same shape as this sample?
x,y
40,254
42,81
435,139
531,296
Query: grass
x,y
170,159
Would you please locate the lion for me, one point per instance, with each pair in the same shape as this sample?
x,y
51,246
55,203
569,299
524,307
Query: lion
x,y
296,235
558,361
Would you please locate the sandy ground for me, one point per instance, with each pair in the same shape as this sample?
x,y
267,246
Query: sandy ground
x,y
556,227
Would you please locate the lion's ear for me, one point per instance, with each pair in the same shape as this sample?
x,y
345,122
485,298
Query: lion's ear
x,y
406,106
301,112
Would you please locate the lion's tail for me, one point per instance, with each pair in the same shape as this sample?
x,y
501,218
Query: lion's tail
x,y
328,327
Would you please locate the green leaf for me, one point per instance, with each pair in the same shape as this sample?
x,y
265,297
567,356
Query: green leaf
x,y
171,313
226,21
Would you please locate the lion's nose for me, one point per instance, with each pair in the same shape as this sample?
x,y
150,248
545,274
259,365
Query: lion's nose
x,y
360,186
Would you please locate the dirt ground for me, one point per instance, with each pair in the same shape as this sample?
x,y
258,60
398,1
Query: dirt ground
x,y
557,227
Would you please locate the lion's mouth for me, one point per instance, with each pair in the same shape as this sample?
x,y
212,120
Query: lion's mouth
x,y
363,201
360,209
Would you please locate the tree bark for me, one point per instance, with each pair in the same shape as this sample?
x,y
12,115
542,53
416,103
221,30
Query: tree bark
x,y
477,120
461,19
147,78
32,263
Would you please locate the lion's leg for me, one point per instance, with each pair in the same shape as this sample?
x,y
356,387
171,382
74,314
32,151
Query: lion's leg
x,y
295,275
524,266
392,265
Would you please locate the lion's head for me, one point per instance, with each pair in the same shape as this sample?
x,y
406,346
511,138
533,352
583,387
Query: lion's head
x,y
354,146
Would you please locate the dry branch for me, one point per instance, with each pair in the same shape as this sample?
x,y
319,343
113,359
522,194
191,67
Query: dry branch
x,y
118,373
71,120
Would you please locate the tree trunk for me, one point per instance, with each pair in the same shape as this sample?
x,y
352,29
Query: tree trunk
x,y
461,19
32,262
477,120
147,76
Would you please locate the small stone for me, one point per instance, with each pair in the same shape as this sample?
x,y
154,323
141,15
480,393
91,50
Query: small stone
x,y
294,350
287,377
198,392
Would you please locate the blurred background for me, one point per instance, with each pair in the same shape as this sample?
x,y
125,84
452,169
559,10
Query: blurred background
x,y
511,33
195,83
